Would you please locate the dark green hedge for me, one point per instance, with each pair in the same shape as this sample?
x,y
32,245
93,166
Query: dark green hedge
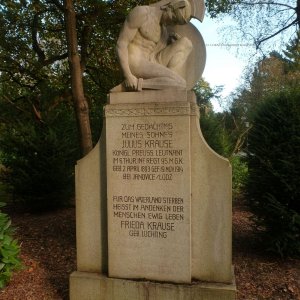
x,y
39,159
273,187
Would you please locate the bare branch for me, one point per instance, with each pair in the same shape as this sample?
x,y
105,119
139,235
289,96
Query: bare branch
x,y
37,114
34,34
240,141
12,76
280,11
266,3
65,96
298,12
258,43
14,104
53,59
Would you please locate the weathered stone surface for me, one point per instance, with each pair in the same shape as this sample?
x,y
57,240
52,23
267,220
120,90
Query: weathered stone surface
x,y
149,191
91,286
154,53
195,63
211,211
210,188
169,95
155,153
153,201
91,207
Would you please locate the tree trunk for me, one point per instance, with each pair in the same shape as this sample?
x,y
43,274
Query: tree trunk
x,y
298,13
80,103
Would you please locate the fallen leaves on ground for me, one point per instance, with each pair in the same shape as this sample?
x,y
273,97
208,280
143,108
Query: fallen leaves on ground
x,y
49,257
259,274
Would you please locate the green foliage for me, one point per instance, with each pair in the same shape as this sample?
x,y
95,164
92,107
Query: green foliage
x,y
38,141
239,175
217,7
274,171
221,132
204,94
39,158
34,66
215,134
292,58
9,250
212,124
271,75
33,47
222,140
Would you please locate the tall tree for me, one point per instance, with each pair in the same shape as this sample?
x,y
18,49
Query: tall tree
x,y
271,75
80,103
38,140
33,55
205,93
292,55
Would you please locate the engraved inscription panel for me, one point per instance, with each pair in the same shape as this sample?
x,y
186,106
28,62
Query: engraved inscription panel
x,y
148,167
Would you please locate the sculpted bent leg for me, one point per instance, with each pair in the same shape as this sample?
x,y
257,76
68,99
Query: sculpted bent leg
x,y
175,55
147,70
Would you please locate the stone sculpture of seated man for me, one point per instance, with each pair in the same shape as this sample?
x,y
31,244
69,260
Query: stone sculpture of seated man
x,y
148,50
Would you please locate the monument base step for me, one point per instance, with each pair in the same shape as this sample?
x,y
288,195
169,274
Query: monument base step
x,y
93,286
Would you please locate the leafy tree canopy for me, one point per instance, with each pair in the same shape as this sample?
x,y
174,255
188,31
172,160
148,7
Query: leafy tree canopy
x,y
33,50
205,93
271,75
35,87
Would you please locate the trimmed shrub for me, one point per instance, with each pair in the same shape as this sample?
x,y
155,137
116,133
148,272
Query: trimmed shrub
x,y
9,250
273,187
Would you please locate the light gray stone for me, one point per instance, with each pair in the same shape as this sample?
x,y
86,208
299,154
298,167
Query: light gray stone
x,y
153,200
211,211
92,286
210,182
149,191
199,247
169,95
195,62
154,53
91,207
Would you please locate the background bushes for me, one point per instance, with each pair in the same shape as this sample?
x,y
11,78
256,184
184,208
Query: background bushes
x,y
273,187
9,249
215,134
39,159
239,175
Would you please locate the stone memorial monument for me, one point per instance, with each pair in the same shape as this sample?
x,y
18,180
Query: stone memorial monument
x,y
153,201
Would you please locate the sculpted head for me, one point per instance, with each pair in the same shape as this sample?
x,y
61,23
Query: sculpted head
x,y
177,12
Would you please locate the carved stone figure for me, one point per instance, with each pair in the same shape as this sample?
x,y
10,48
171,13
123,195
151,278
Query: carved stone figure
x,y
151,53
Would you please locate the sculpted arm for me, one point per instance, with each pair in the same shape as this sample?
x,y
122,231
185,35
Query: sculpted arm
x,y
133,22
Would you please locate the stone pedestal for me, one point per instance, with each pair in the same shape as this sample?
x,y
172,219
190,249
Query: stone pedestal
x,y
153,202
90,286
149,190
